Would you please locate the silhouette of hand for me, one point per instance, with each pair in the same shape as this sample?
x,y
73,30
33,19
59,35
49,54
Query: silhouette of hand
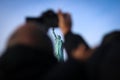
x,y
64,22
81,53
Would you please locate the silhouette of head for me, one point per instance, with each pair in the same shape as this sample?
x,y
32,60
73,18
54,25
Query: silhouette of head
x,y
111,37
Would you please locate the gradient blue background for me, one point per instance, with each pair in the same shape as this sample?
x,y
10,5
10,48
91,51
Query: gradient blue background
x,y
91,18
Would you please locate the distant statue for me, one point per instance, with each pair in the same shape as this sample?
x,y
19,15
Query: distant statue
x,y
58,47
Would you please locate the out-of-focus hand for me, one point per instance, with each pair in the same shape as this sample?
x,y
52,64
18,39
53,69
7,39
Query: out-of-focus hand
x,y
81,53
65,22
26,34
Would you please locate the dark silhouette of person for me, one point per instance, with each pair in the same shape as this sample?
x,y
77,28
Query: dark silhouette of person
x,y
72,40
29,55
74,67
105,62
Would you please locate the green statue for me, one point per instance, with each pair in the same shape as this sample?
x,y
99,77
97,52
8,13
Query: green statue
x,y
58,47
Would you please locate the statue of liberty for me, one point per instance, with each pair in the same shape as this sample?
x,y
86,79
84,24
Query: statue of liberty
x,y
58,47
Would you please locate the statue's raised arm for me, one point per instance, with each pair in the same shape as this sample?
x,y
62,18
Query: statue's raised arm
x,y
54,33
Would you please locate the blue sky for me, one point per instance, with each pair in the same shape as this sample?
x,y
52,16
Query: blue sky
x,y
91,18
